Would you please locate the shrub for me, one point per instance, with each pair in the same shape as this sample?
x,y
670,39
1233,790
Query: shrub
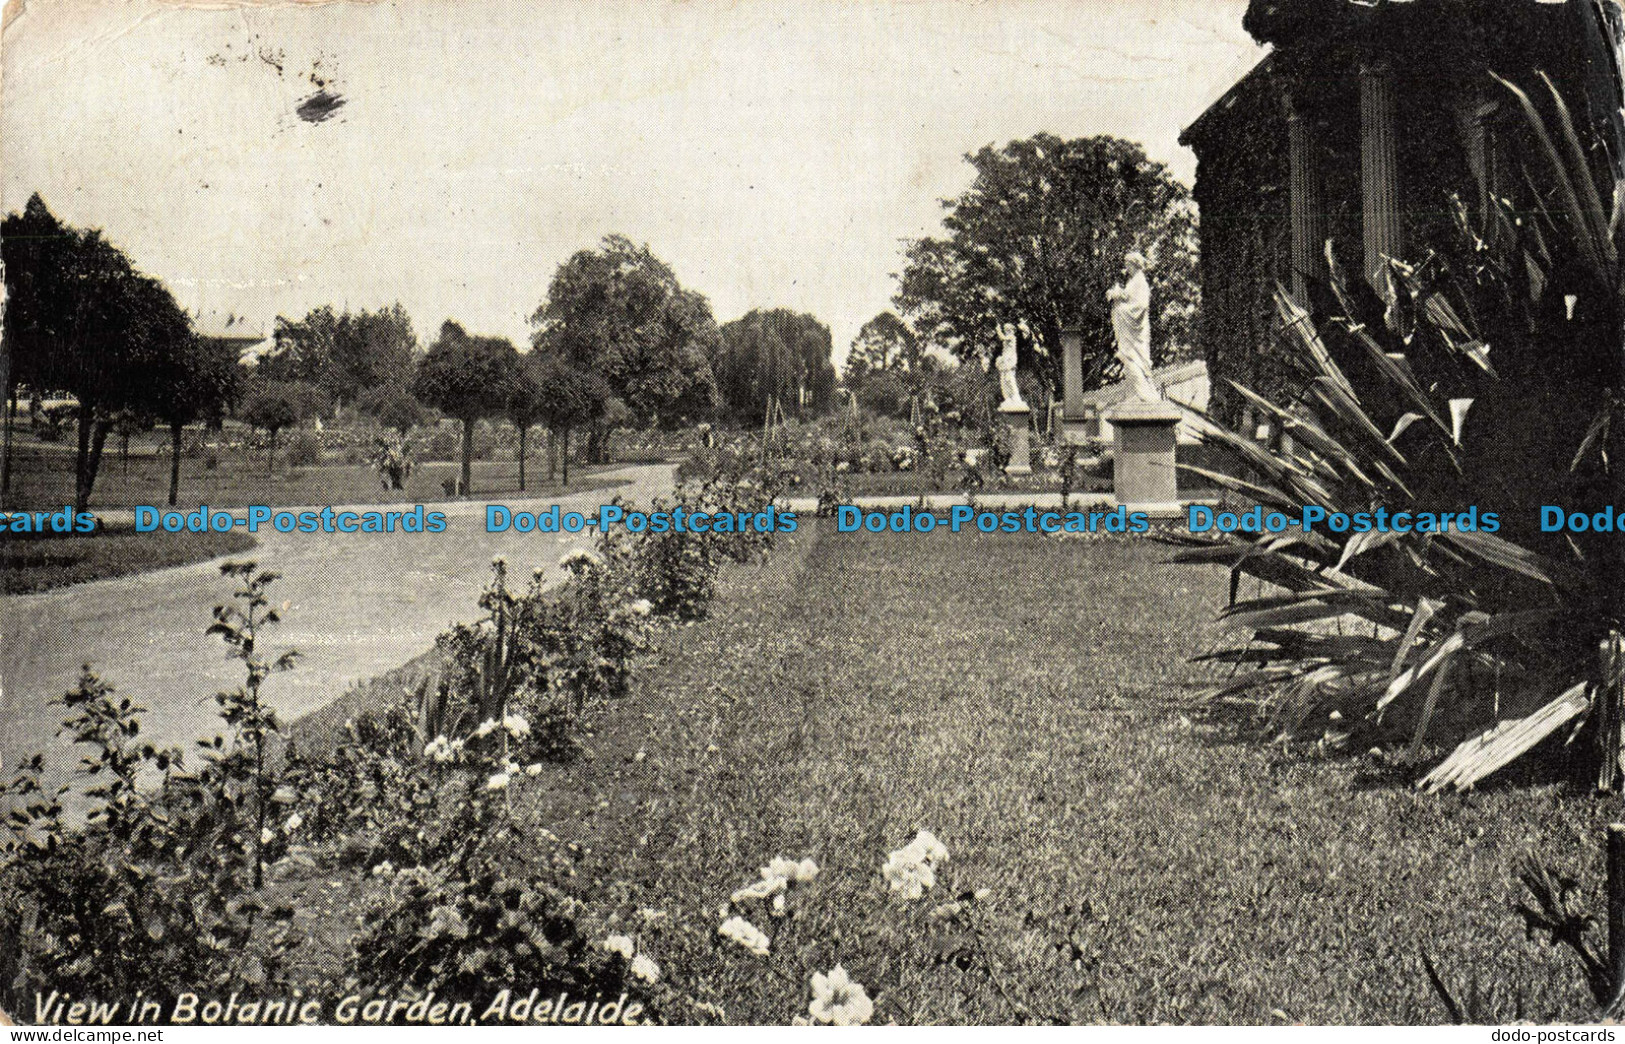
x,y
485,913
1454,637
544,655
158,891
304,450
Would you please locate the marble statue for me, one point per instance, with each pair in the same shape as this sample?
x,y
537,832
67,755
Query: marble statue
x,y
1006,362
1131,322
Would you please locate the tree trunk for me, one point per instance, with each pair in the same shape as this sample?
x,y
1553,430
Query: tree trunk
x,y
8,407
564,457
270,456
98,442
81,458
552,457
5,451
124,452
174,462
468,456
523,431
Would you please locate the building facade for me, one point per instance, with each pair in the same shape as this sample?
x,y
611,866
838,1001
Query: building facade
x,y
1373,129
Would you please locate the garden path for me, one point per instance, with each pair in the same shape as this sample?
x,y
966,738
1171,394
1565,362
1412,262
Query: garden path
x,y
359,605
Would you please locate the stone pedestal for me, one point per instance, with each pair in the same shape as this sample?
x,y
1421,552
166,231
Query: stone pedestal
x,y
1015,419
1145,435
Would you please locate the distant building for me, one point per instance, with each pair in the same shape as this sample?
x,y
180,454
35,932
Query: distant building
x,y
250,339
1185,383
1364,124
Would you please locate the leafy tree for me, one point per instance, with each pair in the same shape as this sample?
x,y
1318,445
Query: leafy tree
x,y
394,406
569,398
619,312
274,405
1040,236
774,354
526,405
345,354
468,378
82,319
199,379
887,367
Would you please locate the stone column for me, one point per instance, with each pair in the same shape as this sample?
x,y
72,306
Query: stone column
x,y
1308,211
1015,417
1379,169
1474,118
1073,419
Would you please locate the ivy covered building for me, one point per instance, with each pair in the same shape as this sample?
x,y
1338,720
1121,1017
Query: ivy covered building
x,y
1374,125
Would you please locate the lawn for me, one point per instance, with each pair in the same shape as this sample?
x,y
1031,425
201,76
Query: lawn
x,y
43,479
1029,700
29,564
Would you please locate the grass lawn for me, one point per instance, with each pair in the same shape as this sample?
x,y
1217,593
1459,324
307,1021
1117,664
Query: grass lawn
x,y
1029,701
42,478
40,563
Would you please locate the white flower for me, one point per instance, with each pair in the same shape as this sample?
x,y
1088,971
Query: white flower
x,y
641,607
486,727
645,968
927,848
747,935
838,1000
806,870
779,866
266,836
908,874
442,750
779,905
621,944
580,557
533,770
497,782
767,885
516,725
295,821
383,869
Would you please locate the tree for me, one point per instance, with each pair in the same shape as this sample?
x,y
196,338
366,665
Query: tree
x,y
619,312
468,378
274,405
570,397
198,380
1040,236
526,405
80,318
774,354
345,354
886,366
394,406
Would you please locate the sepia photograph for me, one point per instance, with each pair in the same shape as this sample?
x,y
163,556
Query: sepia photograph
x,y
547,513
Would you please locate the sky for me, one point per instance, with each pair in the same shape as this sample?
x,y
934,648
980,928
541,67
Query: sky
x,y
267,159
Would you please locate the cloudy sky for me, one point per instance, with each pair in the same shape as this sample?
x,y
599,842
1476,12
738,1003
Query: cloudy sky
x,y
450,154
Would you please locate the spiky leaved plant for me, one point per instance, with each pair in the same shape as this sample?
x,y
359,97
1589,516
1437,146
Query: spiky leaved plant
x,y
1489,642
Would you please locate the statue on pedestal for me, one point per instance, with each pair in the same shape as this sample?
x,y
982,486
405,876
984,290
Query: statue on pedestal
x,y
1008,389
1131,322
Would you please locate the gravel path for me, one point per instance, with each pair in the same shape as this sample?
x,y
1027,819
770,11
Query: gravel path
x,y
360,604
